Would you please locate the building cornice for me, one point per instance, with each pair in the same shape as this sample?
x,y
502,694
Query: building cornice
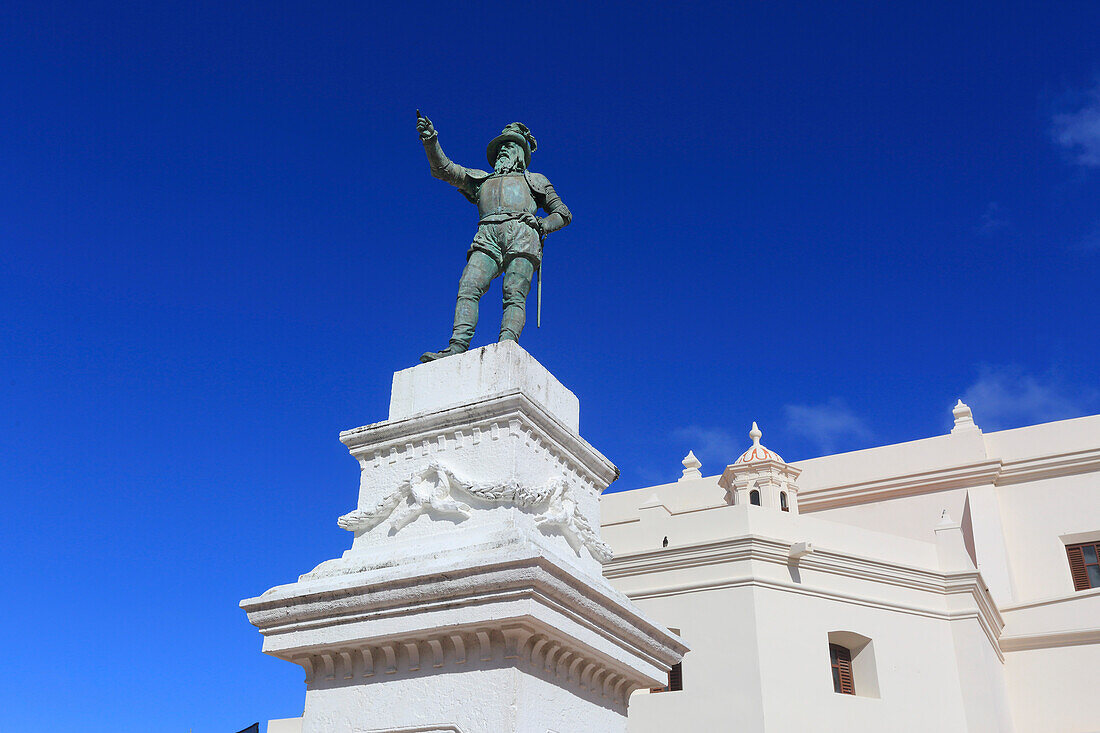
x,y
980,473
894,487
1049,640
768,549
1064,464
765,549
1052,600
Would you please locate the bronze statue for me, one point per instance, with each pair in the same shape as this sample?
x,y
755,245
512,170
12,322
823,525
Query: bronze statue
x,y
509,236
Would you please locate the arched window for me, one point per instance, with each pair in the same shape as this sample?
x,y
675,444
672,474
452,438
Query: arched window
x,y
852,664
754,497
783,501
840,659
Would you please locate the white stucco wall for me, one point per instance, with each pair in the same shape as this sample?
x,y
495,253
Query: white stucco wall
x,y
759,623
1037,515
914,657
907,516
1054,689
724,622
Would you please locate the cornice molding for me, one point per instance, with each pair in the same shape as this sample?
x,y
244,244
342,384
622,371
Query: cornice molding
x,y
533,647
509,414
765,549
768,549
1052,600
1050,640
994,471
1063,464
924,482
334,602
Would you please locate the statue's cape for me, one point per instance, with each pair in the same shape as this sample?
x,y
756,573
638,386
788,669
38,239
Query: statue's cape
x,y
539,184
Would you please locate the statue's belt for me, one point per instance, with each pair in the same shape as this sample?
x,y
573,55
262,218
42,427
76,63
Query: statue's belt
x,y
499,217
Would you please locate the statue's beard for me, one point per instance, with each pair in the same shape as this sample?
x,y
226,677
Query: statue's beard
x,y
509,161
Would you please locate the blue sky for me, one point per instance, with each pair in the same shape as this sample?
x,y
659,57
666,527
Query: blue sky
x,y
220,238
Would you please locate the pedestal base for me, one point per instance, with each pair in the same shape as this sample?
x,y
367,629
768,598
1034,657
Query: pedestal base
x,y
471,599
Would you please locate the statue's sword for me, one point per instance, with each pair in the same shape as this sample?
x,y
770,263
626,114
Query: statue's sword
x,y
542,256
542,250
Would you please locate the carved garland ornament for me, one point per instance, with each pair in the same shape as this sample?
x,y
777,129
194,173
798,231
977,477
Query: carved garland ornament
x,y
436,489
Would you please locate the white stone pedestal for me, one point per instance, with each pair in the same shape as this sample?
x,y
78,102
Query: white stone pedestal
x,y
471,599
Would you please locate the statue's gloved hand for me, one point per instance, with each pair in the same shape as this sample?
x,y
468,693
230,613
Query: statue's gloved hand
x,y
532,221
425,129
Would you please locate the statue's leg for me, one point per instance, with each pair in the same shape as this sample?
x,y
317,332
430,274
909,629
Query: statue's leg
x,y
517,283
480,271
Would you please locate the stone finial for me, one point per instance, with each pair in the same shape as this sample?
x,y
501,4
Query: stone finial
x,y
756,451
691,467
964,418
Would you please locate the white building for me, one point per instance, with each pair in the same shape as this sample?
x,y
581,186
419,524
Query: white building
x,y
945,584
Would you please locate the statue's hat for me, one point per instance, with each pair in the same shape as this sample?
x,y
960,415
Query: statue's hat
x,y
514,132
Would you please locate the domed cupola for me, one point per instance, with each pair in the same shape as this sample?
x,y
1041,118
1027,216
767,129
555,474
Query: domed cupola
x,y
761,477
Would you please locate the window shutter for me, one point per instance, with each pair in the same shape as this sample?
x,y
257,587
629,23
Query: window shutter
x,y
1077,567
842,666
676,677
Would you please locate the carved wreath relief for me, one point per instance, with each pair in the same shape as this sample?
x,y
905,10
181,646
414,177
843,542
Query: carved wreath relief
x,y
437,490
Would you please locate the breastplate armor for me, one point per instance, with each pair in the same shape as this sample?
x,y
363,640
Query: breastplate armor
x,y
505,194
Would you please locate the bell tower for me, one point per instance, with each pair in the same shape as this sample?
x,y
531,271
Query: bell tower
x,y
761,477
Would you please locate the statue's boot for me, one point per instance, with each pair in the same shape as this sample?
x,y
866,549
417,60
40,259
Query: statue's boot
x,y
449,351
511,325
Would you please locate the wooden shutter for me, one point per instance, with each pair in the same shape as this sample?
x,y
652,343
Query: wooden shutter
x,y
676,677
841,659
675,680
1077,567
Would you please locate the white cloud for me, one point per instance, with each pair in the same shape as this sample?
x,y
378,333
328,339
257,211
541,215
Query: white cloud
x,y
831,426
1007,397
713,446
1079,131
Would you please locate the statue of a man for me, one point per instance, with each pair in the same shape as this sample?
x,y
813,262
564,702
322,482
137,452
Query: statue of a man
x,y
509,236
